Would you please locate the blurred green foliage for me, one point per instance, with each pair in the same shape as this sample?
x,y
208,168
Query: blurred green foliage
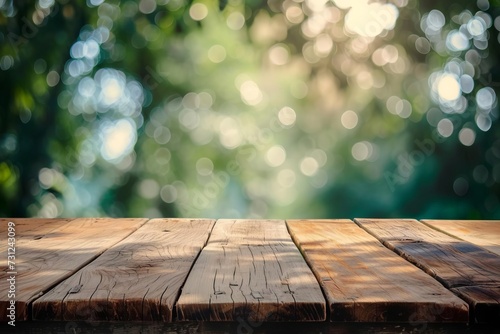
x,y
295,108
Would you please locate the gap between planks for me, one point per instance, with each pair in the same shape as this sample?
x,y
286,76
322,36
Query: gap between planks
x,y
36,236
483,233
469,271
53,251
136,279
365,282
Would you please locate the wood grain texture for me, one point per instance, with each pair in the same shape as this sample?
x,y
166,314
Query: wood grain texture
x,y
251,270
457,264
47,252
26,229
483,233
366,282
31,227
137,279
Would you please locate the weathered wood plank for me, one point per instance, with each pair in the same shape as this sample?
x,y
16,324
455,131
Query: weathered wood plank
x,y
251,270
47,255
484,233
137,279
484,302
366,282
31,227
25,230
459,265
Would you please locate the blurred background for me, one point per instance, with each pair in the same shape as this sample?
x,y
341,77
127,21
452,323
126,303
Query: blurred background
x,y
232,108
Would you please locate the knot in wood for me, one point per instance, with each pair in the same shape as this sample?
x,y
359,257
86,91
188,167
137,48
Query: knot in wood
x,y
75,289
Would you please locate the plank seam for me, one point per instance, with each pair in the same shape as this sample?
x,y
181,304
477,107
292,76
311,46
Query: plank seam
x,y
407,257
179,292
442,231
69,274
29,310
309,265
429,271
435,228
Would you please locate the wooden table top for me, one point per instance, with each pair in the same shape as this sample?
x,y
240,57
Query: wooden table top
x,y
249,271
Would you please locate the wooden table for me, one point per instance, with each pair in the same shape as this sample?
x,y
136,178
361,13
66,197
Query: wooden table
x,y
250,273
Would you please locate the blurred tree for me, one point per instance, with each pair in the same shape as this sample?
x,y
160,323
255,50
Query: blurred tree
x,y
278,109
33,129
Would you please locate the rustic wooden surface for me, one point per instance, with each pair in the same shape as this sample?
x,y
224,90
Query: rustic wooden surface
x,y
366,282
137,279
465,268
251,269
47,255
484,233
